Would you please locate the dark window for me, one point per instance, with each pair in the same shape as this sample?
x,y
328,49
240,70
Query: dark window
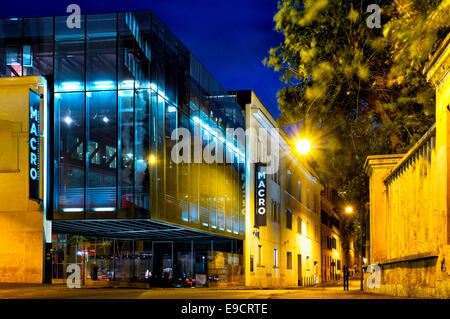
x,y
289,260
275,211
289,182
69,56
101,52
288,219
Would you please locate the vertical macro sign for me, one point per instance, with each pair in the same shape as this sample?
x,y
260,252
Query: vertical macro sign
x,y
260,194
34,144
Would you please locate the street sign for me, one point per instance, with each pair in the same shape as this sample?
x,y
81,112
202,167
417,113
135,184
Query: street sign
x,y
34,144
260,194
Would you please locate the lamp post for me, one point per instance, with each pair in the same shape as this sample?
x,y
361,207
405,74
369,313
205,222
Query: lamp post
x,y
349,210
361,211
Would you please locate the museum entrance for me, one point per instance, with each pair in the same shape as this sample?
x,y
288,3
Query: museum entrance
x,y
104,261
162,263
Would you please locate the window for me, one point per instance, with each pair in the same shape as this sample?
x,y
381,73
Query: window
x,y
308,263
251,263
308,229
276,177
275,211
299,225
69,149
69,56
299,191
101,46
259,255
275,258
288,182
288,219
315,204
307,198
289,260
101,172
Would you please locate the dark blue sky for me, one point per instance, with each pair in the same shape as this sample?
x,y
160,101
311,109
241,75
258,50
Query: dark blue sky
x,y
230,37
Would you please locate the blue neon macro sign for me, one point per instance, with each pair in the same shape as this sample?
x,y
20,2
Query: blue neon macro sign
x,y
34,144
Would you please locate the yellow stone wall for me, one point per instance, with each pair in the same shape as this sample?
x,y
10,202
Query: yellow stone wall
x,y
21,220
409,204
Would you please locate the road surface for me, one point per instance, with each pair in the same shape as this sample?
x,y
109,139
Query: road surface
x,y
333,291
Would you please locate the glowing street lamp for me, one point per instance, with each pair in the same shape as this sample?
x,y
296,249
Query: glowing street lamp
x,y
349,209
152,159
303,146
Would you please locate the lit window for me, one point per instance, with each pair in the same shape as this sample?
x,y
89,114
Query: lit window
x,y
275,258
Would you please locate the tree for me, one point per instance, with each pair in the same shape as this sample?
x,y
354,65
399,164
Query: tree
x,y
357,90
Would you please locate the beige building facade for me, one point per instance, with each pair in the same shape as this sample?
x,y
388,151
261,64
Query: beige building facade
x,y
22,226
286,251
332,249
338,247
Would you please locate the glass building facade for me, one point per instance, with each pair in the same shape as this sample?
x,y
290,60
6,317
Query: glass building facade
x,y
118,87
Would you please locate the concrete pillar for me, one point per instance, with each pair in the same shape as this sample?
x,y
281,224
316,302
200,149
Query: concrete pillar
x,y
377,168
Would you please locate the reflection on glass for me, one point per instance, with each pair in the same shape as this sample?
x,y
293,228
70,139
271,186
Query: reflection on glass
x,y
101,52
69,147
122,84
141,151
101,181
69,56
126,157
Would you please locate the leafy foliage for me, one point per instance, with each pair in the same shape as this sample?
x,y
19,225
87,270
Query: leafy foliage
x,y
356,91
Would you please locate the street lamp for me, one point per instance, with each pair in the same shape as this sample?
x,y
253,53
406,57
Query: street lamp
x,y
362,259
152,159
303,146
348,211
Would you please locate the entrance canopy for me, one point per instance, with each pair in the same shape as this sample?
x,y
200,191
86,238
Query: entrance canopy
x,y
130,229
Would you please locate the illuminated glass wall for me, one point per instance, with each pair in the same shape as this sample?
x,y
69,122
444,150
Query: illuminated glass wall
x,y
122,83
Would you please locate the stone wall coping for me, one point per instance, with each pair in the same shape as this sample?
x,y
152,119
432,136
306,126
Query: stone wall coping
x,y
373,161
31,80
436,69
424,139
426,255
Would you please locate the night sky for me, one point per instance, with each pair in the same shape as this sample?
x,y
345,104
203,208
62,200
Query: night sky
x,y
230,38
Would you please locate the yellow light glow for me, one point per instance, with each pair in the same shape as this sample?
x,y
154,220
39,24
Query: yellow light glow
x,y
303,146
348,209
152,159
